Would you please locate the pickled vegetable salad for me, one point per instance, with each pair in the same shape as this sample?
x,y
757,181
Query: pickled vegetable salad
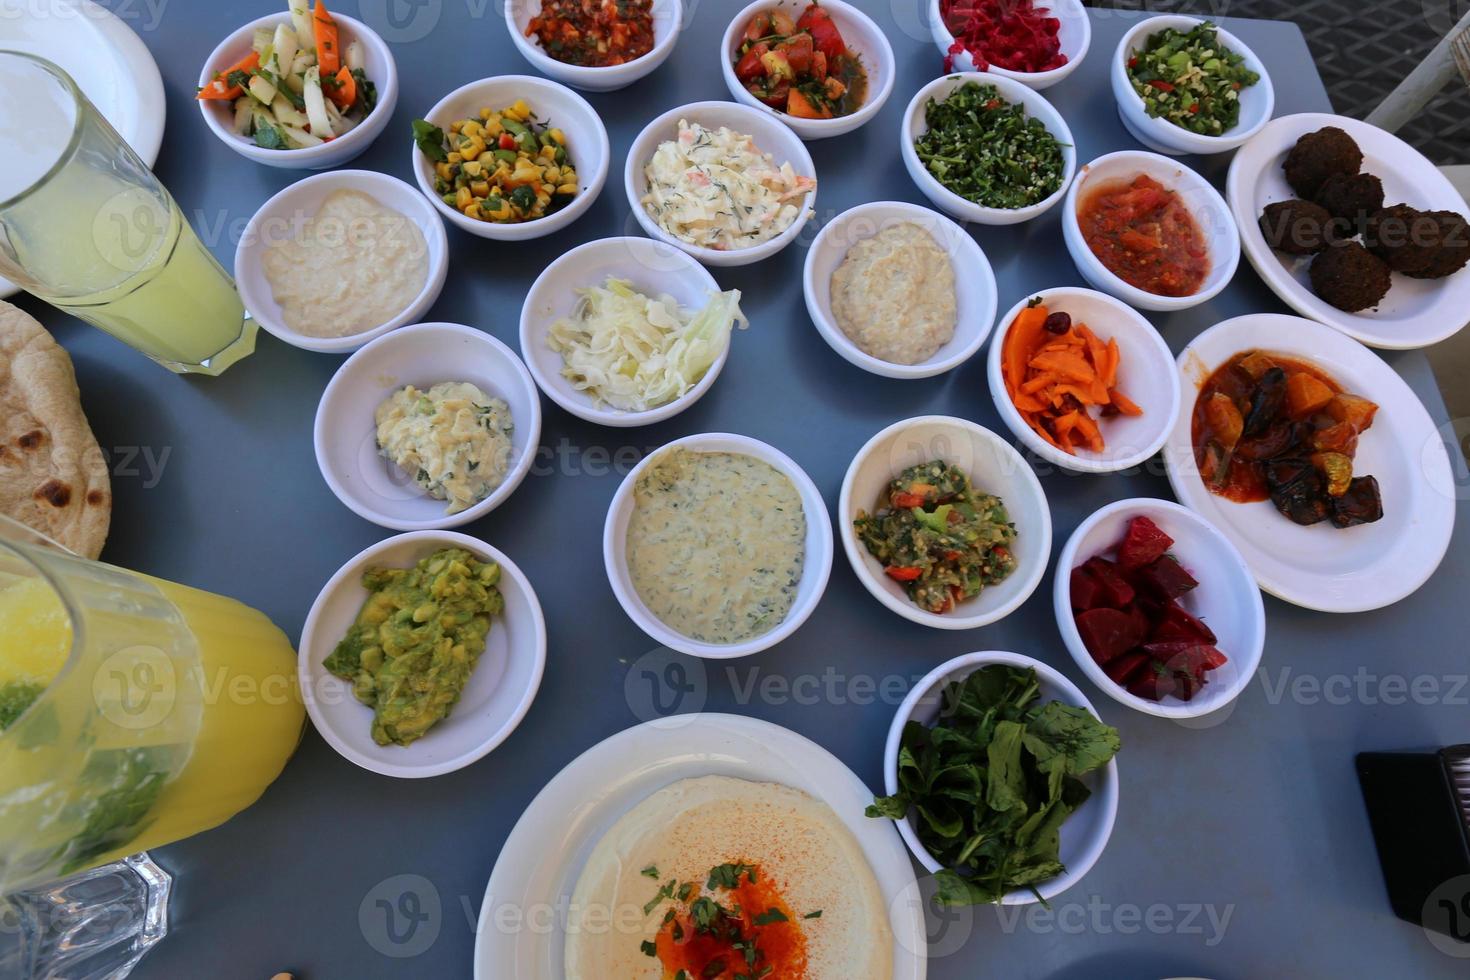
x,y
634,352
297,87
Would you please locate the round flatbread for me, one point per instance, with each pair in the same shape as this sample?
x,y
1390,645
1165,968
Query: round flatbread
x,y
53,476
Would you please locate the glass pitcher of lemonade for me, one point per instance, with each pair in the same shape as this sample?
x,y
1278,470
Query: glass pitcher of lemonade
x,y
133,711
85,226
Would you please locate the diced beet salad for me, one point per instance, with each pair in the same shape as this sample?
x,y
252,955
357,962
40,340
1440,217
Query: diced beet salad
x,y
1010,34
1130,619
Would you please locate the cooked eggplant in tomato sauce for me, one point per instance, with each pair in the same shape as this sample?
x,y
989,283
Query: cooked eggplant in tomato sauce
x,y
1269,427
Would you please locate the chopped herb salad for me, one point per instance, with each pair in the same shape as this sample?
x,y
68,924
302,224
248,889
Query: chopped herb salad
x,y
988,150
938,537
1191,79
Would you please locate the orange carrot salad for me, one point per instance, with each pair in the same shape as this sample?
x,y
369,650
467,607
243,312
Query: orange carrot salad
x,y
1055,372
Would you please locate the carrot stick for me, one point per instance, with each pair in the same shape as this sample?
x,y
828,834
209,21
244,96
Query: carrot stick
x,y
324,28
1124,403
344,93
218,87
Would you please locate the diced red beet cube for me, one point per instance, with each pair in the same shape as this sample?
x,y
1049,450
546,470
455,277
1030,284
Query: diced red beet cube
x,y
1121,670
1178,624
1165,578
1143,544
1186,657
1108,633
1214,658
1152,683
1116,592
1141,621
1085,589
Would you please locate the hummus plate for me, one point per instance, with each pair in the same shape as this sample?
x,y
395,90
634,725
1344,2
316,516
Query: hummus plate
x,y
545,855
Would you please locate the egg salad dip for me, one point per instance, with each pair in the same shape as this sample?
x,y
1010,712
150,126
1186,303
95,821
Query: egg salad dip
x,y
352,266
454,440
714,188
894,296
416,640
716,544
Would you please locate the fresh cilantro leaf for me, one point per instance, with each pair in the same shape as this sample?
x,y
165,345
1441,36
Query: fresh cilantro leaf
x,y
650,872
770,916
430,140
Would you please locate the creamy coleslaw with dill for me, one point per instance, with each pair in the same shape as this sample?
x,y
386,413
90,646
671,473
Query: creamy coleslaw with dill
x,y
715,188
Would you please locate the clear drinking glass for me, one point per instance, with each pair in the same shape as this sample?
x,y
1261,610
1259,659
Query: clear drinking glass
x,y
85,226
133,712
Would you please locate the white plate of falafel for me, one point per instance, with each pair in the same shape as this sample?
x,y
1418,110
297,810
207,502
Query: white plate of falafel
x,y
1353,227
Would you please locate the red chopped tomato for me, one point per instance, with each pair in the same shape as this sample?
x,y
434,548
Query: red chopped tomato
x,y
824,32
749,66
1144,234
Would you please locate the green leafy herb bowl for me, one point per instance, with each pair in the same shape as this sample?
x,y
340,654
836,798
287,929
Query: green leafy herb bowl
x,y
1084,833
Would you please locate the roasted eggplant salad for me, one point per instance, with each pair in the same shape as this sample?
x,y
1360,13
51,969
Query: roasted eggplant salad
x,y
802,67
1272,427
937,536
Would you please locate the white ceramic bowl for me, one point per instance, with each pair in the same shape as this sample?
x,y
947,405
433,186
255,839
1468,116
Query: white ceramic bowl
x,y
653,267
771,135
345,434
378,65
1143,375
861,34
557,105
1204,202
1227,599
668,23
1074,36
816,566
280,219
1256,102
914,126
994,466
500,689
1084,834
975,292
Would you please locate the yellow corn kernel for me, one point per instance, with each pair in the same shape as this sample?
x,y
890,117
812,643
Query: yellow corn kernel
x,y
502,172
463,198
487,160
509,112
455,158
480,188
547,152
443,171
525,175
501,213
455,126
551,174
486,112
471,127
568,188
471,168
523,110
558,137
470,146
473,211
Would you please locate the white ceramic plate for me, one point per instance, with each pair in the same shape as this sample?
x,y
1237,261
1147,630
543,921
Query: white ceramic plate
x,y
495,699
539,865
110,64
1322,567
1416,312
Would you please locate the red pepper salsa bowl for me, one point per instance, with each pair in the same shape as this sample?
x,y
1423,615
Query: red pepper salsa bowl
x,y
620,43
1035,42
823,68
1150,231
1194,646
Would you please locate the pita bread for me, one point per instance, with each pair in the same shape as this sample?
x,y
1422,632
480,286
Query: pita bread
x,y
53,476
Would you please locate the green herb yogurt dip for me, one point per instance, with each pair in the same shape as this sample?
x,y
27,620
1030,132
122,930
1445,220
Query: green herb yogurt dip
x,y
716,544
416,640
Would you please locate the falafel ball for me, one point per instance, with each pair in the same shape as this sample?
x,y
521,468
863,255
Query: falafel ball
x,y
1296,227
1404,237
1351,197
1452,246
1350,277
1319,155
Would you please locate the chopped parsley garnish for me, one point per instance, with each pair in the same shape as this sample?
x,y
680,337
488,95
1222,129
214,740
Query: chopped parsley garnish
x,y
988,150
770,916
650,872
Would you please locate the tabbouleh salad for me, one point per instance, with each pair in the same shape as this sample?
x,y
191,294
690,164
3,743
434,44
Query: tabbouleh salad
x,y
937,536
1191,79
988,150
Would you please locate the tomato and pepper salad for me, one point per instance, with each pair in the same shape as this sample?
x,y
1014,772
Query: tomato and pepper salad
x,y
594,33
937,536
802,67
1145,235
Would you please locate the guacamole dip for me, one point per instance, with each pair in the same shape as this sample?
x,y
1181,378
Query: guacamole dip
x,y
418,636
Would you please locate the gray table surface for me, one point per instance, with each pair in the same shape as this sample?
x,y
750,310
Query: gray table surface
x,y
1240,850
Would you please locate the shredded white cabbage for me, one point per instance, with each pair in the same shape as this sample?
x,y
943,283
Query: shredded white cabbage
x,y
633,352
